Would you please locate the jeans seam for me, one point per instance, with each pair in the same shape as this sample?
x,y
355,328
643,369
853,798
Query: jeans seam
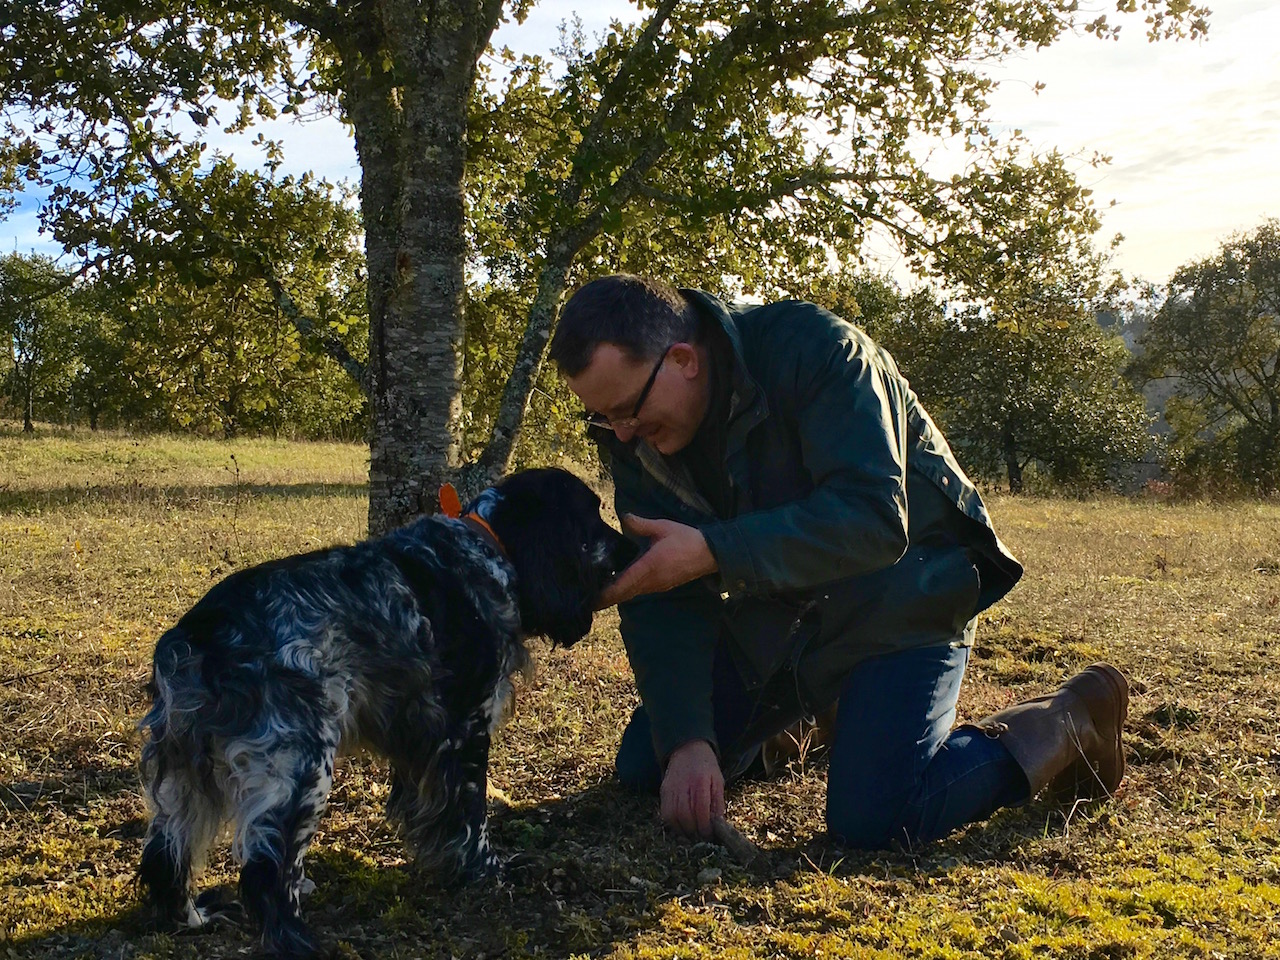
x,y
926,798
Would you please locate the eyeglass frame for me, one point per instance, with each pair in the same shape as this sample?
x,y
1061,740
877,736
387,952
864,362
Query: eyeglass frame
x,y
631,422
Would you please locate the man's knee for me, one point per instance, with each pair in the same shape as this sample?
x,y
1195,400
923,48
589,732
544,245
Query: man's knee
x,y
865,819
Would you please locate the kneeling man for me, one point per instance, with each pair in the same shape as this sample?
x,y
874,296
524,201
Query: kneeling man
x,y
811,540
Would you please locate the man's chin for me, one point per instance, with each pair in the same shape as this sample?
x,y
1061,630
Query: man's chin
x,y
667,443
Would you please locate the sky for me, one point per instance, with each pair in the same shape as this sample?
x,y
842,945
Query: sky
x,y
1192,127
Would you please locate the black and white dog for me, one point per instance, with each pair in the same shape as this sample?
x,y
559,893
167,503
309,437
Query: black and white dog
x,y
404,644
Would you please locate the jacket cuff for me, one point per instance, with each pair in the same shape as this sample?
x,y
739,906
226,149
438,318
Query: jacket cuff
x,y
727,544
673,726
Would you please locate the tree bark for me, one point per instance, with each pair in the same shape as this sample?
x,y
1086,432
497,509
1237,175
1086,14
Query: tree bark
x,y
1011,463
409,72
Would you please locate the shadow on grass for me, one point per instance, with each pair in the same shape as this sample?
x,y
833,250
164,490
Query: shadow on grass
x,y
134,492
591,872
88,785
579,860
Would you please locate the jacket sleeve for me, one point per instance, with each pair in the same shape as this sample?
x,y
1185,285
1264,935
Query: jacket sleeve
x,y
670,641
849,406
670,637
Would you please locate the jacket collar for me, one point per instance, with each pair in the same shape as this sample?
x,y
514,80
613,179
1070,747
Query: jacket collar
x,y
747,404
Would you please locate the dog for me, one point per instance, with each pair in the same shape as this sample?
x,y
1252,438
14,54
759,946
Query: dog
x,y
404,644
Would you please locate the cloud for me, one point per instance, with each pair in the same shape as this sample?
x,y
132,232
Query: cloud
x,y
1193,129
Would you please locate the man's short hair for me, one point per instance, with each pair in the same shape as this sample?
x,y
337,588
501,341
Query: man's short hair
x,y
643,317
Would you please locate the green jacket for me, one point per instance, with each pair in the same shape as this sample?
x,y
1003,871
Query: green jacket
x,y
854,532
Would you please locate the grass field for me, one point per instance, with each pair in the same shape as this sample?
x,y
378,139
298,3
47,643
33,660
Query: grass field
x,y
104,541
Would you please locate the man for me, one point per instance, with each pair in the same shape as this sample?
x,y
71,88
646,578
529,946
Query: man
x,y
811,538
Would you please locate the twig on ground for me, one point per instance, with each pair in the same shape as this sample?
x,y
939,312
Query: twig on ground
x,y
27,676
739,847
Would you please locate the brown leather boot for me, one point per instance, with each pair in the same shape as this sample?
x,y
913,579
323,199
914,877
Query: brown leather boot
x,y
1069,741
798,740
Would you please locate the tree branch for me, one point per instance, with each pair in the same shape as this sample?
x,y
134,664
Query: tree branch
x,y
307,326
319,18
613,91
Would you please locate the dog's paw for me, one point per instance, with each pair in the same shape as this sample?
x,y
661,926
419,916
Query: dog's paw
x,y
519,863
291,939
484,870
216,906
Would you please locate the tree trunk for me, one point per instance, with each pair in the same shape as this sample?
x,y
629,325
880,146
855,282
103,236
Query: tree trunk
x,y
496,458
409,75
1011,463
1268,468
29,399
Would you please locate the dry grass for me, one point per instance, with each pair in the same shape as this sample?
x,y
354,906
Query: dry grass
x,y
104,541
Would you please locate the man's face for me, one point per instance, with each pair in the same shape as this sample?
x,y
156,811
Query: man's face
x,y
613,383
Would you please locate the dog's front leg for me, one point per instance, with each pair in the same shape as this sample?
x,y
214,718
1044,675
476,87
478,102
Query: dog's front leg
x,y
440,800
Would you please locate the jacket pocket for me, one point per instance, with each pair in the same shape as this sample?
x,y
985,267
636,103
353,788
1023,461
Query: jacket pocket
x,y
927,598
768,634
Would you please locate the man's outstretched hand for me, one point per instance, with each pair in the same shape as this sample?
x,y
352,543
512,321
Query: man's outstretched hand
x,y
677,554
692,790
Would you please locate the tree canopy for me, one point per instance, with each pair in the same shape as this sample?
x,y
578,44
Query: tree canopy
x,y
740,146
38,316
1014,386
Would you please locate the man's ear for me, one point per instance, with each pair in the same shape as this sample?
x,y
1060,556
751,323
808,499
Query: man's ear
x,y
686,358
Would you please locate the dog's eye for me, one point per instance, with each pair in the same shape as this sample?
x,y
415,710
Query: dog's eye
x,y
586,546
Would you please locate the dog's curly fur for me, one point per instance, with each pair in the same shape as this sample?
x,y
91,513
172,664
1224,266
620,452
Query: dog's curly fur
x,y
404,644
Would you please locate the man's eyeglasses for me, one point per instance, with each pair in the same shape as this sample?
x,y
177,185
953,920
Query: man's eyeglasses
x,y
631,422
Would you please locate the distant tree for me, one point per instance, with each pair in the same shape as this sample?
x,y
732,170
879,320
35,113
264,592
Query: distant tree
x,y
1016,368
38,319
102,390
206,341
1217,339
1051,394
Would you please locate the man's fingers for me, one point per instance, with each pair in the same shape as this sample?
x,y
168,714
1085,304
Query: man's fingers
x,y
700,799
675,805
679,810
613,593
628,583
675,810
688,824
643,526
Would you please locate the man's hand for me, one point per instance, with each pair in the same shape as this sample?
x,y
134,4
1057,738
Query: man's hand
x,y
677,554
693,790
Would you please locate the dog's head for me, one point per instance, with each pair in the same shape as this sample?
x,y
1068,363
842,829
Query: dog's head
x,y
550,526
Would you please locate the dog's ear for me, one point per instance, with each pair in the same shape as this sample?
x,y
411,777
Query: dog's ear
x,y
546,521
556,594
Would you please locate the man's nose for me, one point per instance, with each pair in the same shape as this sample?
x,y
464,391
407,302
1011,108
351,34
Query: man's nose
x,y
625,433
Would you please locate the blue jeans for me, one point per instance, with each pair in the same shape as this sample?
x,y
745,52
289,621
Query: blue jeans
x,y
897,771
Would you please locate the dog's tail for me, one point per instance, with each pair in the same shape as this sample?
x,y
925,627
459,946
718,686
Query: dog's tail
x,y
186,804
